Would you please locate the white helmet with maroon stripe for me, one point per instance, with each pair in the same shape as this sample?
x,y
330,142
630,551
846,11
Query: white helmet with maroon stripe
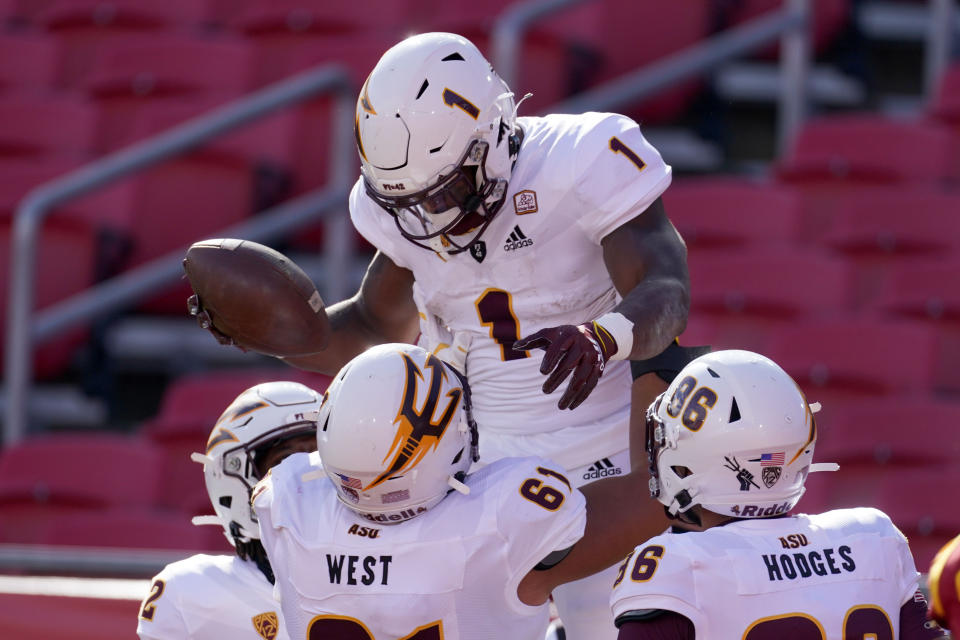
x,y
436,131
734,434
395,433
260,418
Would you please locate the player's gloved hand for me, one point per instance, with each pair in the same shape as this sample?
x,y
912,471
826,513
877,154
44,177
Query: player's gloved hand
x,y
575,349
196,309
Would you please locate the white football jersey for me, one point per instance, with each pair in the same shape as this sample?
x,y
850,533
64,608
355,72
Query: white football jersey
x,y
207,597
451,572
842,574
576,179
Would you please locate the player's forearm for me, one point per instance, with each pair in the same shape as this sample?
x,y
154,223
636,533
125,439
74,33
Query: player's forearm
x,y
352,332
620,515
658,308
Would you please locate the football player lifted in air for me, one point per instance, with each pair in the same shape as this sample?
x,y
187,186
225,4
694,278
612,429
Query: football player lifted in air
x,y
730,444
231,596
390,538
499,235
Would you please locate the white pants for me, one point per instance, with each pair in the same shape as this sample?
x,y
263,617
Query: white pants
x,y
584,605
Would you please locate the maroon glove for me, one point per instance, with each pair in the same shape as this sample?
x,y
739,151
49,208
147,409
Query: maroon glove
x,y
570,348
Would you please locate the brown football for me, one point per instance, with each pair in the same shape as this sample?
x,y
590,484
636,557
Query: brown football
x,y
258,297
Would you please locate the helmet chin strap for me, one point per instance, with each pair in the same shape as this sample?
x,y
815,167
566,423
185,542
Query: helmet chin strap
x,y
455,484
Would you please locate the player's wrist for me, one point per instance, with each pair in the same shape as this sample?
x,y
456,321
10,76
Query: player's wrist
x,y
614,332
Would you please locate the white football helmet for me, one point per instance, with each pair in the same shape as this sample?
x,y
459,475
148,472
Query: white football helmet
x,y
259,418
734,434
437,136
396,432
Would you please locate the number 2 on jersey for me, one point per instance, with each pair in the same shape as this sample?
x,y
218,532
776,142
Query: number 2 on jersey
x,y
149,606
495,308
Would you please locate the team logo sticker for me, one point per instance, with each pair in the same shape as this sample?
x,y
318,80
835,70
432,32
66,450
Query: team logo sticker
x,y
267,625
525,202
743,475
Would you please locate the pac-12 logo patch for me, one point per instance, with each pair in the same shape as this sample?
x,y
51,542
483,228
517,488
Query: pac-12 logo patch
x,y
525,202
267,625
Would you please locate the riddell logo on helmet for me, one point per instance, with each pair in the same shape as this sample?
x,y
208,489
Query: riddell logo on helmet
x,y
406,514
393,187
602,469
754,511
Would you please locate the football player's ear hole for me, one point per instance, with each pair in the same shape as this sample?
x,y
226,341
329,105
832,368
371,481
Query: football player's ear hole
x,y
683,472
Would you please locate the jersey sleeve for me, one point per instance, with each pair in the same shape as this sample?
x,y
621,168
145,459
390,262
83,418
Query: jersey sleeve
x,y
617,175
375,225
909,577
273,496
160,615
657,575
539,512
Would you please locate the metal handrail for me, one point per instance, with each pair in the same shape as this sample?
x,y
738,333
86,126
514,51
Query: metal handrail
x,y
21,334
509,29
938,43
789,23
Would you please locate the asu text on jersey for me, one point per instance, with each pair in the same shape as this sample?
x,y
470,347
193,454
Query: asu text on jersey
x,y
843,573
449,570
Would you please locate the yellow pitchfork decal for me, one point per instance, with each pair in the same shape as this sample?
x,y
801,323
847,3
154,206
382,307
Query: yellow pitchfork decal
x,y
418,431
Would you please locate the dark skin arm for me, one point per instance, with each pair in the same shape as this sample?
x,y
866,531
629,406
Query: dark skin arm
x,y
381,311
647,261
619,514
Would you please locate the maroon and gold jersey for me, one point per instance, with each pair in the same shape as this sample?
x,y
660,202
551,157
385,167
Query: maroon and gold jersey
x,y
210,597
539,264
839,574
451,572
944,581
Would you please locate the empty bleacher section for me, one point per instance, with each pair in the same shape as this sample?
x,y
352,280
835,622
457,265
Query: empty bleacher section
x,y
835,255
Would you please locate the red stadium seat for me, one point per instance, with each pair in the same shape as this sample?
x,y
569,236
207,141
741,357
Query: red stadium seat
x,y
667,28
64,266
319,17
188,411
917,501
165,70
879,229
866,148
44,617
731,212
748,293
34,125
858,357
924,289
945,106
894,432
898,221
87,27
29,62
134,529
46,476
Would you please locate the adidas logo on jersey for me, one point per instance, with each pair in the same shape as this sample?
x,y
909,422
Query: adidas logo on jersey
x,y
516,240
602,469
